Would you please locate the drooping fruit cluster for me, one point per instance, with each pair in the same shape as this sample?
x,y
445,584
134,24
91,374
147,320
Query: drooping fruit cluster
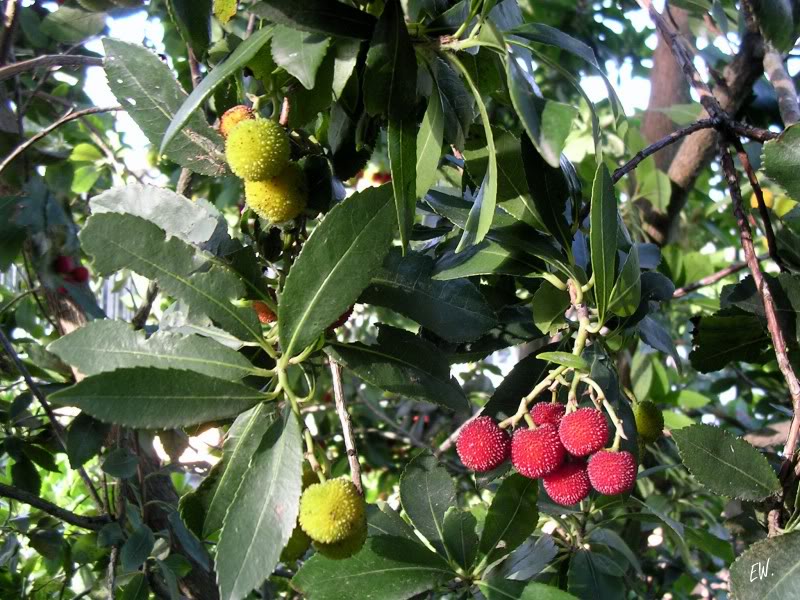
x,y
611,472
257,150
66,267
649,421
332,512
537,452
547,412
482,445
584,431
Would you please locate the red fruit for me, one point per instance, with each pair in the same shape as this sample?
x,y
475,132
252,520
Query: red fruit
x,y
482,445
612,472
569,484
343,318
80,274
63,265
264,312
537,452
547,412
583,431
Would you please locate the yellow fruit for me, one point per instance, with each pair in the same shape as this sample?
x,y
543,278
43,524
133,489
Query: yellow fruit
x,y
347,547
296,546
257,149
279,199
649,421
769,199
232,117
331,511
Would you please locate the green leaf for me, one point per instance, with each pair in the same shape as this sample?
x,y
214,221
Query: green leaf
x,y
137,548
767,569
546,123
85,438
429,143
512,515
173,263
120,463
587,579
780,158
299,53
482,213
549,191
778,21
390,80
264,512
241,443
72,25
192,546
520,380
386,568
192,18
627,291
426,492
486,258
722,338
566,359
103,345
136,588
191,106
383,520
454,310
224,10
148,398
504,589
725,464
549,305
457,102
403,364
320,16
460,538
25,476
402,141
603,238
147,89
335,265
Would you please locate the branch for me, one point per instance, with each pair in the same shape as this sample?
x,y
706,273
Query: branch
x,y
784,86
84,522
10,18
712,279
50,60
70,116
347,427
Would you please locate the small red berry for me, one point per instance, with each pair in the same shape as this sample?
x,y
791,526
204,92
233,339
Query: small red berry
x,y
612,472
62,290
537,452
80,274
482,445
583,431
343,318
547,412
569,484
63,265
264,312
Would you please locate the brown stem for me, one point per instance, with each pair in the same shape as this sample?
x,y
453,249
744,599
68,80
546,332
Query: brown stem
x,y
754,133
84,522
70,116
10,19
783,85
49,60
347,426
286,107
712,279
141,316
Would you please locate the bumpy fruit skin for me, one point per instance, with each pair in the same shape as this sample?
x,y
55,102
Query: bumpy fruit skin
x,y
583,431
649,421
482,445
297,545
569,484
331,511
232,117
63,265
537,452
347,547
612,473
279,199
264,312
257,149
547,412
769,199
80,274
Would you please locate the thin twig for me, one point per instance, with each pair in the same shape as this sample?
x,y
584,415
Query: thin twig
x,y
347,426
92,523
660,144
70,116
141,316
112,572
784,86
50,60
713,278
58,429
10,19
285,111
754,133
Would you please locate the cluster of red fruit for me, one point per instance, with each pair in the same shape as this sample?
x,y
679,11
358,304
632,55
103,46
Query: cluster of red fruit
x,y
556,450
66,267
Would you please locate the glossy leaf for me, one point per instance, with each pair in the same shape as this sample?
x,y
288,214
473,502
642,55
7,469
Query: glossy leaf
x,y
427,491
549,305
335,265
429,143
402,141
486,258
459,536
566,359
765,570
148,398
512,515
603,238
299,53
319,16
627,291
71,25
136,548
193,21
780,158
85,438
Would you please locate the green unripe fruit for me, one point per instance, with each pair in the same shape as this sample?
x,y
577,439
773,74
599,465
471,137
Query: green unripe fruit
x,y
279,199
96,5
331,511
347,547
297,546
257,149
649,421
